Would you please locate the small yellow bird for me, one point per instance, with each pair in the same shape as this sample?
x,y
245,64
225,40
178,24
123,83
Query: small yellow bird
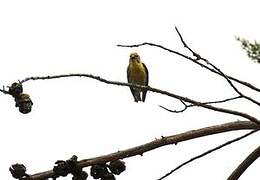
x,y
137,73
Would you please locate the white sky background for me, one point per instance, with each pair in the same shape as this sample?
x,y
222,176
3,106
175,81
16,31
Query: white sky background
x,y
88,118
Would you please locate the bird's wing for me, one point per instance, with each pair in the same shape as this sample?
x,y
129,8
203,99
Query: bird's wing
x,y
135,94
128,74
146,82
147,75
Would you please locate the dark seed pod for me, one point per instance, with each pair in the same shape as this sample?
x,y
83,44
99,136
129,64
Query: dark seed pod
x,y
108,176
16,89
72,165
24,102
61,168
82,176
117,167
18,171
98,171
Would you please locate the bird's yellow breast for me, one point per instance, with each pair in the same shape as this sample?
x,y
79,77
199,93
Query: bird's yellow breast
x,y
137,73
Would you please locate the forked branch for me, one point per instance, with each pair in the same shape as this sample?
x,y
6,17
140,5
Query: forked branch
x,y
196,60
207,152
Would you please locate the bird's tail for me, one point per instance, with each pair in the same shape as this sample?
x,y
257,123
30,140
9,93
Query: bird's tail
x,y
144,95
137,96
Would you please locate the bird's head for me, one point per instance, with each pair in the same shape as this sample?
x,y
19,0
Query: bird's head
x,y
134,57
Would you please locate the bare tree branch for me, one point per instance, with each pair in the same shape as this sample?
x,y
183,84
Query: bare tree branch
x,y
182,98
194,61
186,46
187,102
198,57
140,150
4,91
192,105
176,111
207,152
245,164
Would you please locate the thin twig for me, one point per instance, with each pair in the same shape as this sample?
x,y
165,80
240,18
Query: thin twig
x,y
186,46
140,150
198,57
231,84
221,73
220,101
176,111
4,91
182,98
245,164
192,105
206,153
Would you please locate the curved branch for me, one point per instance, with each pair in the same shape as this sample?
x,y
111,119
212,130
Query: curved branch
x,y
182,98
194,61
198,57
192,105
176,111
4,91
245,164
186,46
216,68
140,150
207,152
231,84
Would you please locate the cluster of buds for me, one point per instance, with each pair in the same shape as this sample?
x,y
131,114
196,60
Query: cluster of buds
x,y
22,100
107,171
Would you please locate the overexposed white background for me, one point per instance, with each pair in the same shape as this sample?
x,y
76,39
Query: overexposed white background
x,y
88,118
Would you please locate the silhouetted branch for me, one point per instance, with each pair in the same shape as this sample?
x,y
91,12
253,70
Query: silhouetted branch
x,y
186,46
176,111
163,141
245,164
194,61
4,91
192,105
182,98
197,58
221,73
206,153
187,102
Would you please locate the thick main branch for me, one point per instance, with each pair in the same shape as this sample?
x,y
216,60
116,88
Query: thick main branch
x,y
140,150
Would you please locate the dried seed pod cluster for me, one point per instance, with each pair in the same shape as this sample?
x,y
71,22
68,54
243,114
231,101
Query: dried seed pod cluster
x,y
107,172
63,168
15,89
22,100
117,167
18,171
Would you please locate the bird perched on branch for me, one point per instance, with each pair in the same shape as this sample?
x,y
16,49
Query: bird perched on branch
x,y
137,73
